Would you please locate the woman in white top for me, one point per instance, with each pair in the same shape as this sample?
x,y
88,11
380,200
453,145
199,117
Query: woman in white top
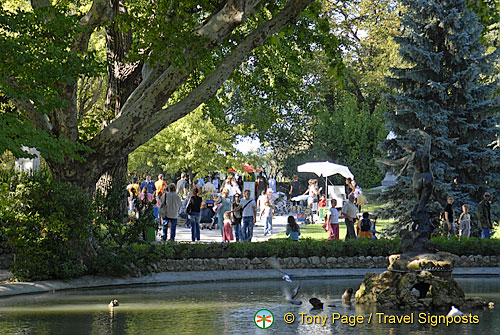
x,y
313,192
230,189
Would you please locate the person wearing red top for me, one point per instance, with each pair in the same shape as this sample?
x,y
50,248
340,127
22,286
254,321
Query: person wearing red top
x,y
322,201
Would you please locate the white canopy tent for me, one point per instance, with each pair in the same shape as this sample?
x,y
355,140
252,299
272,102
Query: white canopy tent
x,y
325,169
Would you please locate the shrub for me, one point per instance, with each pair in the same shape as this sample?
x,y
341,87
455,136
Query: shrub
x,y
466,247
47,223
121,260
307,247
283,248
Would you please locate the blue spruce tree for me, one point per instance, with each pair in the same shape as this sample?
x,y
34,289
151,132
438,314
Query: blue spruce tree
x,y
445,89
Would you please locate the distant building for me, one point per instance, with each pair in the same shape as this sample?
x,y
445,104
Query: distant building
x,y
28,164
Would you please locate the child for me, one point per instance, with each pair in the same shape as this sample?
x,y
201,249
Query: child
x,y
266,215
464,222
292,229
322,201
227,231
374,228
260,201
364,227
332,222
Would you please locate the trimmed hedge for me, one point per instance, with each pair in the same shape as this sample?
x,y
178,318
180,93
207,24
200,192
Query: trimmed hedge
x,y
308,248
283,248
467,247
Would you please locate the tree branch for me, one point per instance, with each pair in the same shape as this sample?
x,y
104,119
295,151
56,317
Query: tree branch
x,y
98,14
40,3
88,95
170,78
160,81
138,124
39,120
212,83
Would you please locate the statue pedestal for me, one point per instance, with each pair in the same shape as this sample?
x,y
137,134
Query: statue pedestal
x,y
416,281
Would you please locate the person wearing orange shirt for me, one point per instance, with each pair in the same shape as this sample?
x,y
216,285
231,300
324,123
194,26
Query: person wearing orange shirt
x,y
159,185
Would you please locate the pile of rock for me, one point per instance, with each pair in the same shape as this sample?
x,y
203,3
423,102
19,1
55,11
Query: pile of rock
x,y
416,282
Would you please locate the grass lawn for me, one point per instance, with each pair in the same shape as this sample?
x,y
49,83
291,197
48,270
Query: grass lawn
x,y
316,232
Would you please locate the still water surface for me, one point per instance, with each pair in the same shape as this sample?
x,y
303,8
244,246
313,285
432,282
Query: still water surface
x,y
220,308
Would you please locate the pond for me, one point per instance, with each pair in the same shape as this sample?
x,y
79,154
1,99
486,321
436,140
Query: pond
x,y
227,308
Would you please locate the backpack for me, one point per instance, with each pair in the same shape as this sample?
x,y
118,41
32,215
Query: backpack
x,y
365,225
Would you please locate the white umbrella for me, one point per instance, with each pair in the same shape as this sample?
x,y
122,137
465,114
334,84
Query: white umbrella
x,y
325,169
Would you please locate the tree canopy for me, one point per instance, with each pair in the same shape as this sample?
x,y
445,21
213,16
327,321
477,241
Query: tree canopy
x,y
446,89
161,60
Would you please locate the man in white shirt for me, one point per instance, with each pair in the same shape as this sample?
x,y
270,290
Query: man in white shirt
x,y
249,215
209,187
349,212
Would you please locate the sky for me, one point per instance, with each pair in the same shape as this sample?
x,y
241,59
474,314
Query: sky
x,y
247,144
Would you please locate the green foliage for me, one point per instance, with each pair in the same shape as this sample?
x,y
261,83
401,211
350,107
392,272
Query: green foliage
x,y
118,261
115,228
286,248
446,89
338,116
488,11
15,132
30,45
351,137
47,223
57,232
193,144
35,65
308,247
467,247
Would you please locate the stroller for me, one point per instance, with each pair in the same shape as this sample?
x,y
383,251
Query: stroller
x,y
281,206
208,218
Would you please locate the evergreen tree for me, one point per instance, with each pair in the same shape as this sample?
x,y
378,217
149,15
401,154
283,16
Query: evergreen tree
x,y
445,90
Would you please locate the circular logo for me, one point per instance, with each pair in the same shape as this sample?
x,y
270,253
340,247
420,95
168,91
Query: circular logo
x,y
263,318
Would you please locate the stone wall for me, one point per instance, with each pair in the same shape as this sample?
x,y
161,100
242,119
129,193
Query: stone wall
x,y
315,262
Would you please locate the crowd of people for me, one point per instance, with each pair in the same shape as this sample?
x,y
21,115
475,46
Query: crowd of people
x,y
461,224
214,203
206,201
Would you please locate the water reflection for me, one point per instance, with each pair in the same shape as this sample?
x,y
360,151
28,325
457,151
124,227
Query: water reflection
x,y
219,308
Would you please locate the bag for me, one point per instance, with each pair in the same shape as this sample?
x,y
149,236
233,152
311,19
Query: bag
x,y
189,210
365,225
237,213
217,208
163,200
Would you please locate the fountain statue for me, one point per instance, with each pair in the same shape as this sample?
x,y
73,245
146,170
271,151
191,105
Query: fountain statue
x,y
420,277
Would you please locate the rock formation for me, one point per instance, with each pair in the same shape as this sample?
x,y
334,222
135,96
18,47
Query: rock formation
x,y
422,282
